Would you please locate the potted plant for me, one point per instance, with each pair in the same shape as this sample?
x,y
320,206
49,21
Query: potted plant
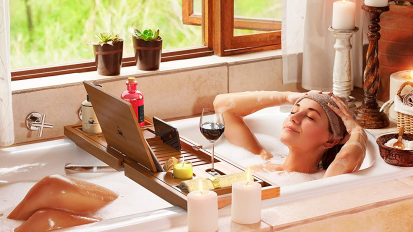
x,y
395,44
108,53
148,49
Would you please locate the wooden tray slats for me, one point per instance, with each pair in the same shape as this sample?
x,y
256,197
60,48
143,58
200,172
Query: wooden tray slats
x,y
164,184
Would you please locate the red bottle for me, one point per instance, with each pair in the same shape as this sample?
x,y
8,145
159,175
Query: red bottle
x,y
135,97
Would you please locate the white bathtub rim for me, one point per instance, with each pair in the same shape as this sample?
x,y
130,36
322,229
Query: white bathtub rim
x,y
142,219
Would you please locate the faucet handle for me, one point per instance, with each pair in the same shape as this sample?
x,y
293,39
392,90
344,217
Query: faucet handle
x,y
35,121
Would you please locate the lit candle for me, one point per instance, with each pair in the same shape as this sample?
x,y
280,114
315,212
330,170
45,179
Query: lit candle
x,y
202,210
376,3
396,80
344,15
183,170
246,201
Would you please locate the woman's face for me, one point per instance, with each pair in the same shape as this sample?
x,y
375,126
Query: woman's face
x,y
306,127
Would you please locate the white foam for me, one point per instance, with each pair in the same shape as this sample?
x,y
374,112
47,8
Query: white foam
x,y
277,149
408,145
225,108
342,162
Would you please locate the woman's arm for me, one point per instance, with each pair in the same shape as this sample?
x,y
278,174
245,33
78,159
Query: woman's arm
x,y
352,154
235,106
245,103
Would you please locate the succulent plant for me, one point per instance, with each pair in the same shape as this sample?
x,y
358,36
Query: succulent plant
x,y
107,38
147,35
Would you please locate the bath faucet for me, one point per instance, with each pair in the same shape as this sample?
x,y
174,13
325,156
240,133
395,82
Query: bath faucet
x,y
35,121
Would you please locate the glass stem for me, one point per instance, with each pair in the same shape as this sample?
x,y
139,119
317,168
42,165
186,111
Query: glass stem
x,y
212,161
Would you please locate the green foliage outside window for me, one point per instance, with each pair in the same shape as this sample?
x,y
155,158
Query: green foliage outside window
x,y
45,32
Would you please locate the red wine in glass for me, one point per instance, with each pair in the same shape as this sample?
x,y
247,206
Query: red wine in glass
x,y
212,126
212,131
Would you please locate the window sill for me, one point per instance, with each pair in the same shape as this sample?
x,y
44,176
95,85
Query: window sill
x,y
51,82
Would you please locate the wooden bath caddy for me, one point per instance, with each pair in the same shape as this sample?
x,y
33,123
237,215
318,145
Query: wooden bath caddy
x,y
124,144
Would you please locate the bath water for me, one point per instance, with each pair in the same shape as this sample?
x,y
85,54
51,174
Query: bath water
x,y
277,149
141,199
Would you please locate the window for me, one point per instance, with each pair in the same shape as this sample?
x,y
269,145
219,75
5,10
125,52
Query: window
x,y
51,39
265,16
238,25
227,40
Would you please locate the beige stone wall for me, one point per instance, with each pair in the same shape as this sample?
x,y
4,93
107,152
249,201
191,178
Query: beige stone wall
x,y
168,94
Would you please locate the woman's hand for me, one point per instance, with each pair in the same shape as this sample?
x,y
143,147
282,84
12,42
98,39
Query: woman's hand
x,y
266,167
293,96
345,114
265,155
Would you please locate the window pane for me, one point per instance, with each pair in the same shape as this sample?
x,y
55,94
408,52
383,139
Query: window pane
x,y
198,7
53,32
260,12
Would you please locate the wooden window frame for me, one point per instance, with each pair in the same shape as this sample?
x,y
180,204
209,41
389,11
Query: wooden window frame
x,y
191,18
90,65
225,43
217,35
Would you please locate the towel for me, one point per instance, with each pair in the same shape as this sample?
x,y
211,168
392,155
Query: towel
x,y
335,122
404,105
207,184
408,99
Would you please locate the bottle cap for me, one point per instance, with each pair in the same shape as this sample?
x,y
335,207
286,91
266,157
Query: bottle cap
x,y
131,79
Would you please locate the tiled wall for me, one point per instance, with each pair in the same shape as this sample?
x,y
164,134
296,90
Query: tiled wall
x,y
167,95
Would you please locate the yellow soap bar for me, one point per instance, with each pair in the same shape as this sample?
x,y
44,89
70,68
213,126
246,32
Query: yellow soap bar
x,y
184,171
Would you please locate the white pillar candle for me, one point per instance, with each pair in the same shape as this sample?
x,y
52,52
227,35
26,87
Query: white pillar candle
x,y
396,80
376,3
344,15
202,211
246,201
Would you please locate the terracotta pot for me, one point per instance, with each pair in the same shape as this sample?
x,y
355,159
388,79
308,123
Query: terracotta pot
x,y
395,45
147,53
108,58
395,156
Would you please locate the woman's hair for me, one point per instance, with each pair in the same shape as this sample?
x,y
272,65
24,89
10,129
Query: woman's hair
x,y
330,154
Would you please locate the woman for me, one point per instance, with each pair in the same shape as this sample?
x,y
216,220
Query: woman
x,y
319,132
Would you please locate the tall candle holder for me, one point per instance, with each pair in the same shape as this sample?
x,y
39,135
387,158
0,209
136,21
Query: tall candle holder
x,y
342,65
368,114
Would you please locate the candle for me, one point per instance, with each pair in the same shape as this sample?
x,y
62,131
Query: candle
x,y
344,15
183,170
396,80
246,201
376,3
202,210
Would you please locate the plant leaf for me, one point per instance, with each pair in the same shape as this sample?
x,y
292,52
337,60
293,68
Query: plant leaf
x,y
155,37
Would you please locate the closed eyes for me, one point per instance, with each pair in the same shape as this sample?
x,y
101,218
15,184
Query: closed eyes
x,y
307,116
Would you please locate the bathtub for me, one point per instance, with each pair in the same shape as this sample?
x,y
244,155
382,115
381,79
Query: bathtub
x,y
22,166
269,121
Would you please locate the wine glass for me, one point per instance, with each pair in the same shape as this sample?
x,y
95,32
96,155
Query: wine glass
x,y
212,126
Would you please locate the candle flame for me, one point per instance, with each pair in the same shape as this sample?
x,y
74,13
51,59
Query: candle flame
x,y
411,73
